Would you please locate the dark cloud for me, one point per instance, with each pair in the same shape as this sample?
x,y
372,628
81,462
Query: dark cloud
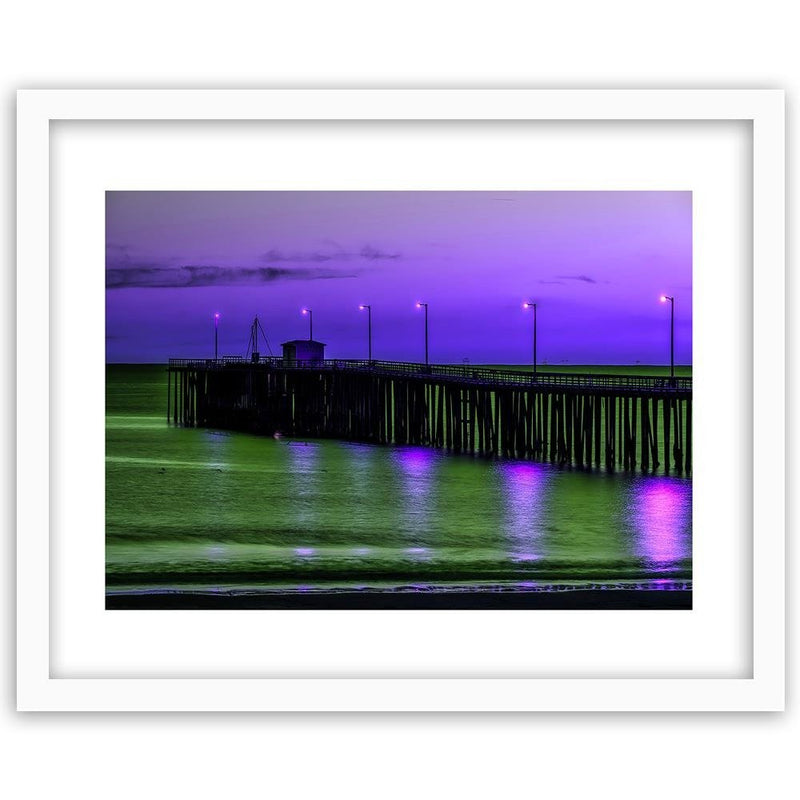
x,y
278,256
160,277
124,271
119,258
583,278
373,254
332,252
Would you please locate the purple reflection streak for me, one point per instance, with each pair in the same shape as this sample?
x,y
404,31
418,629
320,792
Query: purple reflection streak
x,y
523,488
304,456
417,470
660,510
415,462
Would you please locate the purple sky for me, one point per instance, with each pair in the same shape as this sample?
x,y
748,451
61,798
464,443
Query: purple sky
x,y
595,263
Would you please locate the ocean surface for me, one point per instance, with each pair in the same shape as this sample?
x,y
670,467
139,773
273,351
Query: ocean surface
x,y
217,513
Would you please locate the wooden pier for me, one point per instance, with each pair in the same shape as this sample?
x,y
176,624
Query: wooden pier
x,y
617,422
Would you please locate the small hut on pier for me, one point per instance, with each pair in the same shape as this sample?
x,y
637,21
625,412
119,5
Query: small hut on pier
x,y
303,350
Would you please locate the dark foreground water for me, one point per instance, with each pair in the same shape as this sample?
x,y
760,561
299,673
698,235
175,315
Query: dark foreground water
x,y
198,516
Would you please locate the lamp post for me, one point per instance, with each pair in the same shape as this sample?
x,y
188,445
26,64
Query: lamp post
x,y
310,323
369,326
664,298
530,304
425,305
216,336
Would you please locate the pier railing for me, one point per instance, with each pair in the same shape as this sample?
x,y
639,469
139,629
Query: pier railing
x,y
463,373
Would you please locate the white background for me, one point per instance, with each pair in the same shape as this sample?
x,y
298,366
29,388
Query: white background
x,y
613,44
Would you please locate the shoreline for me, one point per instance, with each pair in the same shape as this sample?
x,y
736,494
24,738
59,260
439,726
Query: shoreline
x,y
574,599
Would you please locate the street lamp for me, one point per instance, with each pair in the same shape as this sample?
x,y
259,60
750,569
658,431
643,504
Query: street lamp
x,y
216,336
664,298
530,304
425,305
310,322
369,328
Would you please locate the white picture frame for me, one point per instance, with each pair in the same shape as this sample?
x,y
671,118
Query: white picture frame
x,y
42,686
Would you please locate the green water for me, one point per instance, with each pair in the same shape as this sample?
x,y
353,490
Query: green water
x,y
213,511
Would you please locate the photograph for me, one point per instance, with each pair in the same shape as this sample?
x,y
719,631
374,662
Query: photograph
x,y
398,400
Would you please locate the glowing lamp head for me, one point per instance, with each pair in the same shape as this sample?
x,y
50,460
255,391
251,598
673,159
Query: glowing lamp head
x,y
304,311
663,298
361,307
216,316
419,305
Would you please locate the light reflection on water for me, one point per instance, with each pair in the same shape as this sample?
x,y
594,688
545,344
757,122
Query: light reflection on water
x,y
304,465
212,509
524,490
416,467
660,510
